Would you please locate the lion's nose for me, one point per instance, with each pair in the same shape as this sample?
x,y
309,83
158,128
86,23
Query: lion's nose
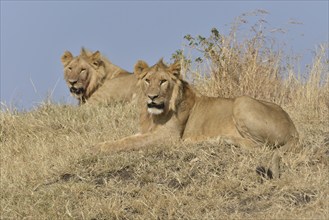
x,y
152,97
73,81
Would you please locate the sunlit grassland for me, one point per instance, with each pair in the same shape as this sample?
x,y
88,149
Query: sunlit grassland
x,y
47,172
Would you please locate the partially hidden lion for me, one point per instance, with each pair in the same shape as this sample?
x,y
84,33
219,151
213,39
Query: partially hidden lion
x,y
171,109
93,79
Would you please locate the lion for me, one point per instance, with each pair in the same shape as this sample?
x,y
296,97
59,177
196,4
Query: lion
x,y
93,79
171,109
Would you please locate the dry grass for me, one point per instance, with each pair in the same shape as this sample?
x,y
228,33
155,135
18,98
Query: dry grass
x,y
46,172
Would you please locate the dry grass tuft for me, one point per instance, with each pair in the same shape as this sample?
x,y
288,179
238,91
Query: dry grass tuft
x,y
46,172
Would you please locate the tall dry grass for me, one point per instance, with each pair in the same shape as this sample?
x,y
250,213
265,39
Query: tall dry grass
x,y
46,172
257,65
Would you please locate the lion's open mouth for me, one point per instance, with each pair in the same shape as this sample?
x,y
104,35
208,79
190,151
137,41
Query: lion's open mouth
x,y
77,91
155,105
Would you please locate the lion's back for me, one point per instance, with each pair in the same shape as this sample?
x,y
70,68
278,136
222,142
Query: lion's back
x,y
122,88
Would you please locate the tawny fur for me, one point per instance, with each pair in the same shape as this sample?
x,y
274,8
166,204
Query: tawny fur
x,y
93,79
241,121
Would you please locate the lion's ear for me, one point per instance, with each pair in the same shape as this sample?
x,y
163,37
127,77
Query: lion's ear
x,y
95,59
140,66
175,69
96,55
66,58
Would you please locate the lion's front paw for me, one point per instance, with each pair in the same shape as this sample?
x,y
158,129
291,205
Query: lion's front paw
x,y
97,148
102,148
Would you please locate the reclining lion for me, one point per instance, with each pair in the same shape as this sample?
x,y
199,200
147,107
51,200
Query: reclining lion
x,y
94,79
171,109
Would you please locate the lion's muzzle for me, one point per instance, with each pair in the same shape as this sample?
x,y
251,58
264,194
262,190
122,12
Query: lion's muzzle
x,y
155,108
77,91
155,105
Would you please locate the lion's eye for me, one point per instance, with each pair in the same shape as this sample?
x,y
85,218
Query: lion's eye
x,y
147,81
69,68
162,81
82,70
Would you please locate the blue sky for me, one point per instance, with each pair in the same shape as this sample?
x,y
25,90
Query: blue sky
x,y
34,35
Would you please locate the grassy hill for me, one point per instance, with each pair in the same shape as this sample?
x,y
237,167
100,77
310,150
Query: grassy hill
x,y
47,172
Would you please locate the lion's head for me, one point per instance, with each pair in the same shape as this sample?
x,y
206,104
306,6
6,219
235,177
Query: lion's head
x,y
161,86
84,73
